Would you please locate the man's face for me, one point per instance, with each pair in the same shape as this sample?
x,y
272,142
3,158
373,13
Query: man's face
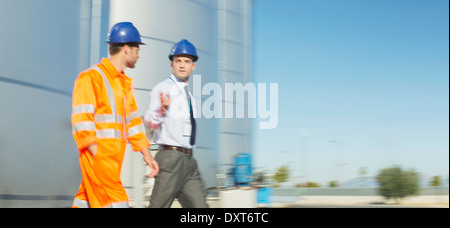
x,y
182,67
132,55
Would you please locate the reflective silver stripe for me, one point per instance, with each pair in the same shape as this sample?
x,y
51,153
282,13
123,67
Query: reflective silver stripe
x,y
83,126
109,90
132,116
80,203
87,108
108,118
118,205
135,130
109,134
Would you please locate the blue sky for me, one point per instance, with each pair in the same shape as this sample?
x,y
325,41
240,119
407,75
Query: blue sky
x,y
365,82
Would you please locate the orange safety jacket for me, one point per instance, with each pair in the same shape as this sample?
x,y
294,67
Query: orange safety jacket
x,y
104,112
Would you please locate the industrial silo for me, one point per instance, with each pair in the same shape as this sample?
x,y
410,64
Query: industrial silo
x,y
221,30
41,49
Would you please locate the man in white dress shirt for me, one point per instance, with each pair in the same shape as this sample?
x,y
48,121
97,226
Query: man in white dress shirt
x,y
171,115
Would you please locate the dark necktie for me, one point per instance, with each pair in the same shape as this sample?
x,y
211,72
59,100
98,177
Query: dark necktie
x,y
193,129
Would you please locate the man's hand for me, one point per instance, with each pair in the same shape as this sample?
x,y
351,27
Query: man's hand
x,y
153,167
165,102
93,149
148,158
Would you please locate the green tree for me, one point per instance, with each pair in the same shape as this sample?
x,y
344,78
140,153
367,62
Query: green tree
x,y
308,184
282,174
436,181
333,184
397,184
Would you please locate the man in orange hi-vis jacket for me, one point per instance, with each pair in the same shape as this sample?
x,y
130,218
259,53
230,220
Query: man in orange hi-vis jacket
x,y
104,118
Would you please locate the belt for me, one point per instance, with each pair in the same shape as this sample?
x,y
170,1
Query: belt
x,y
177,148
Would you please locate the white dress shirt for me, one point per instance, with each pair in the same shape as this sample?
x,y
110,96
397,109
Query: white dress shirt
x,y
173,128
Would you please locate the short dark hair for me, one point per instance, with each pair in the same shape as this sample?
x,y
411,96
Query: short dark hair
x,y
193,58
115,48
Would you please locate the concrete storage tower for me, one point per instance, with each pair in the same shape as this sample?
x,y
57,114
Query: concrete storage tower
x,y
52,41
221,31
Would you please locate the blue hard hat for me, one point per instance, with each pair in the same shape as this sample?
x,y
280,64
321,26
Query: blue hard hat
x,y
183,47
123,32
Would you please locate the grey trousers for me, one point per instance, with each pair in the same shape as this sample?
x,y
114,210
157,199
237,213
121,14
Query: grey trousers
x,y
178,177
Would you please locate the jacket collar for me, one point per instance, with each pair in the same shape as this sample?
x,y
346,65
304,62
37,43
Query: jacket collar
x,y
112,71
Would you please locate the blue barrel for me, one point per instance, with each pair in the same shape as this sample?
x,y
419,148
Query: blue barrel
x,y
265,195
243,170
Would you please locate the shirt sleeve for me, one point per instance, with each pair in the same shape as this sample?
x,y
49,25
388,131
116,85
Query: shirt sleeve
x,y
83,108
153,116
